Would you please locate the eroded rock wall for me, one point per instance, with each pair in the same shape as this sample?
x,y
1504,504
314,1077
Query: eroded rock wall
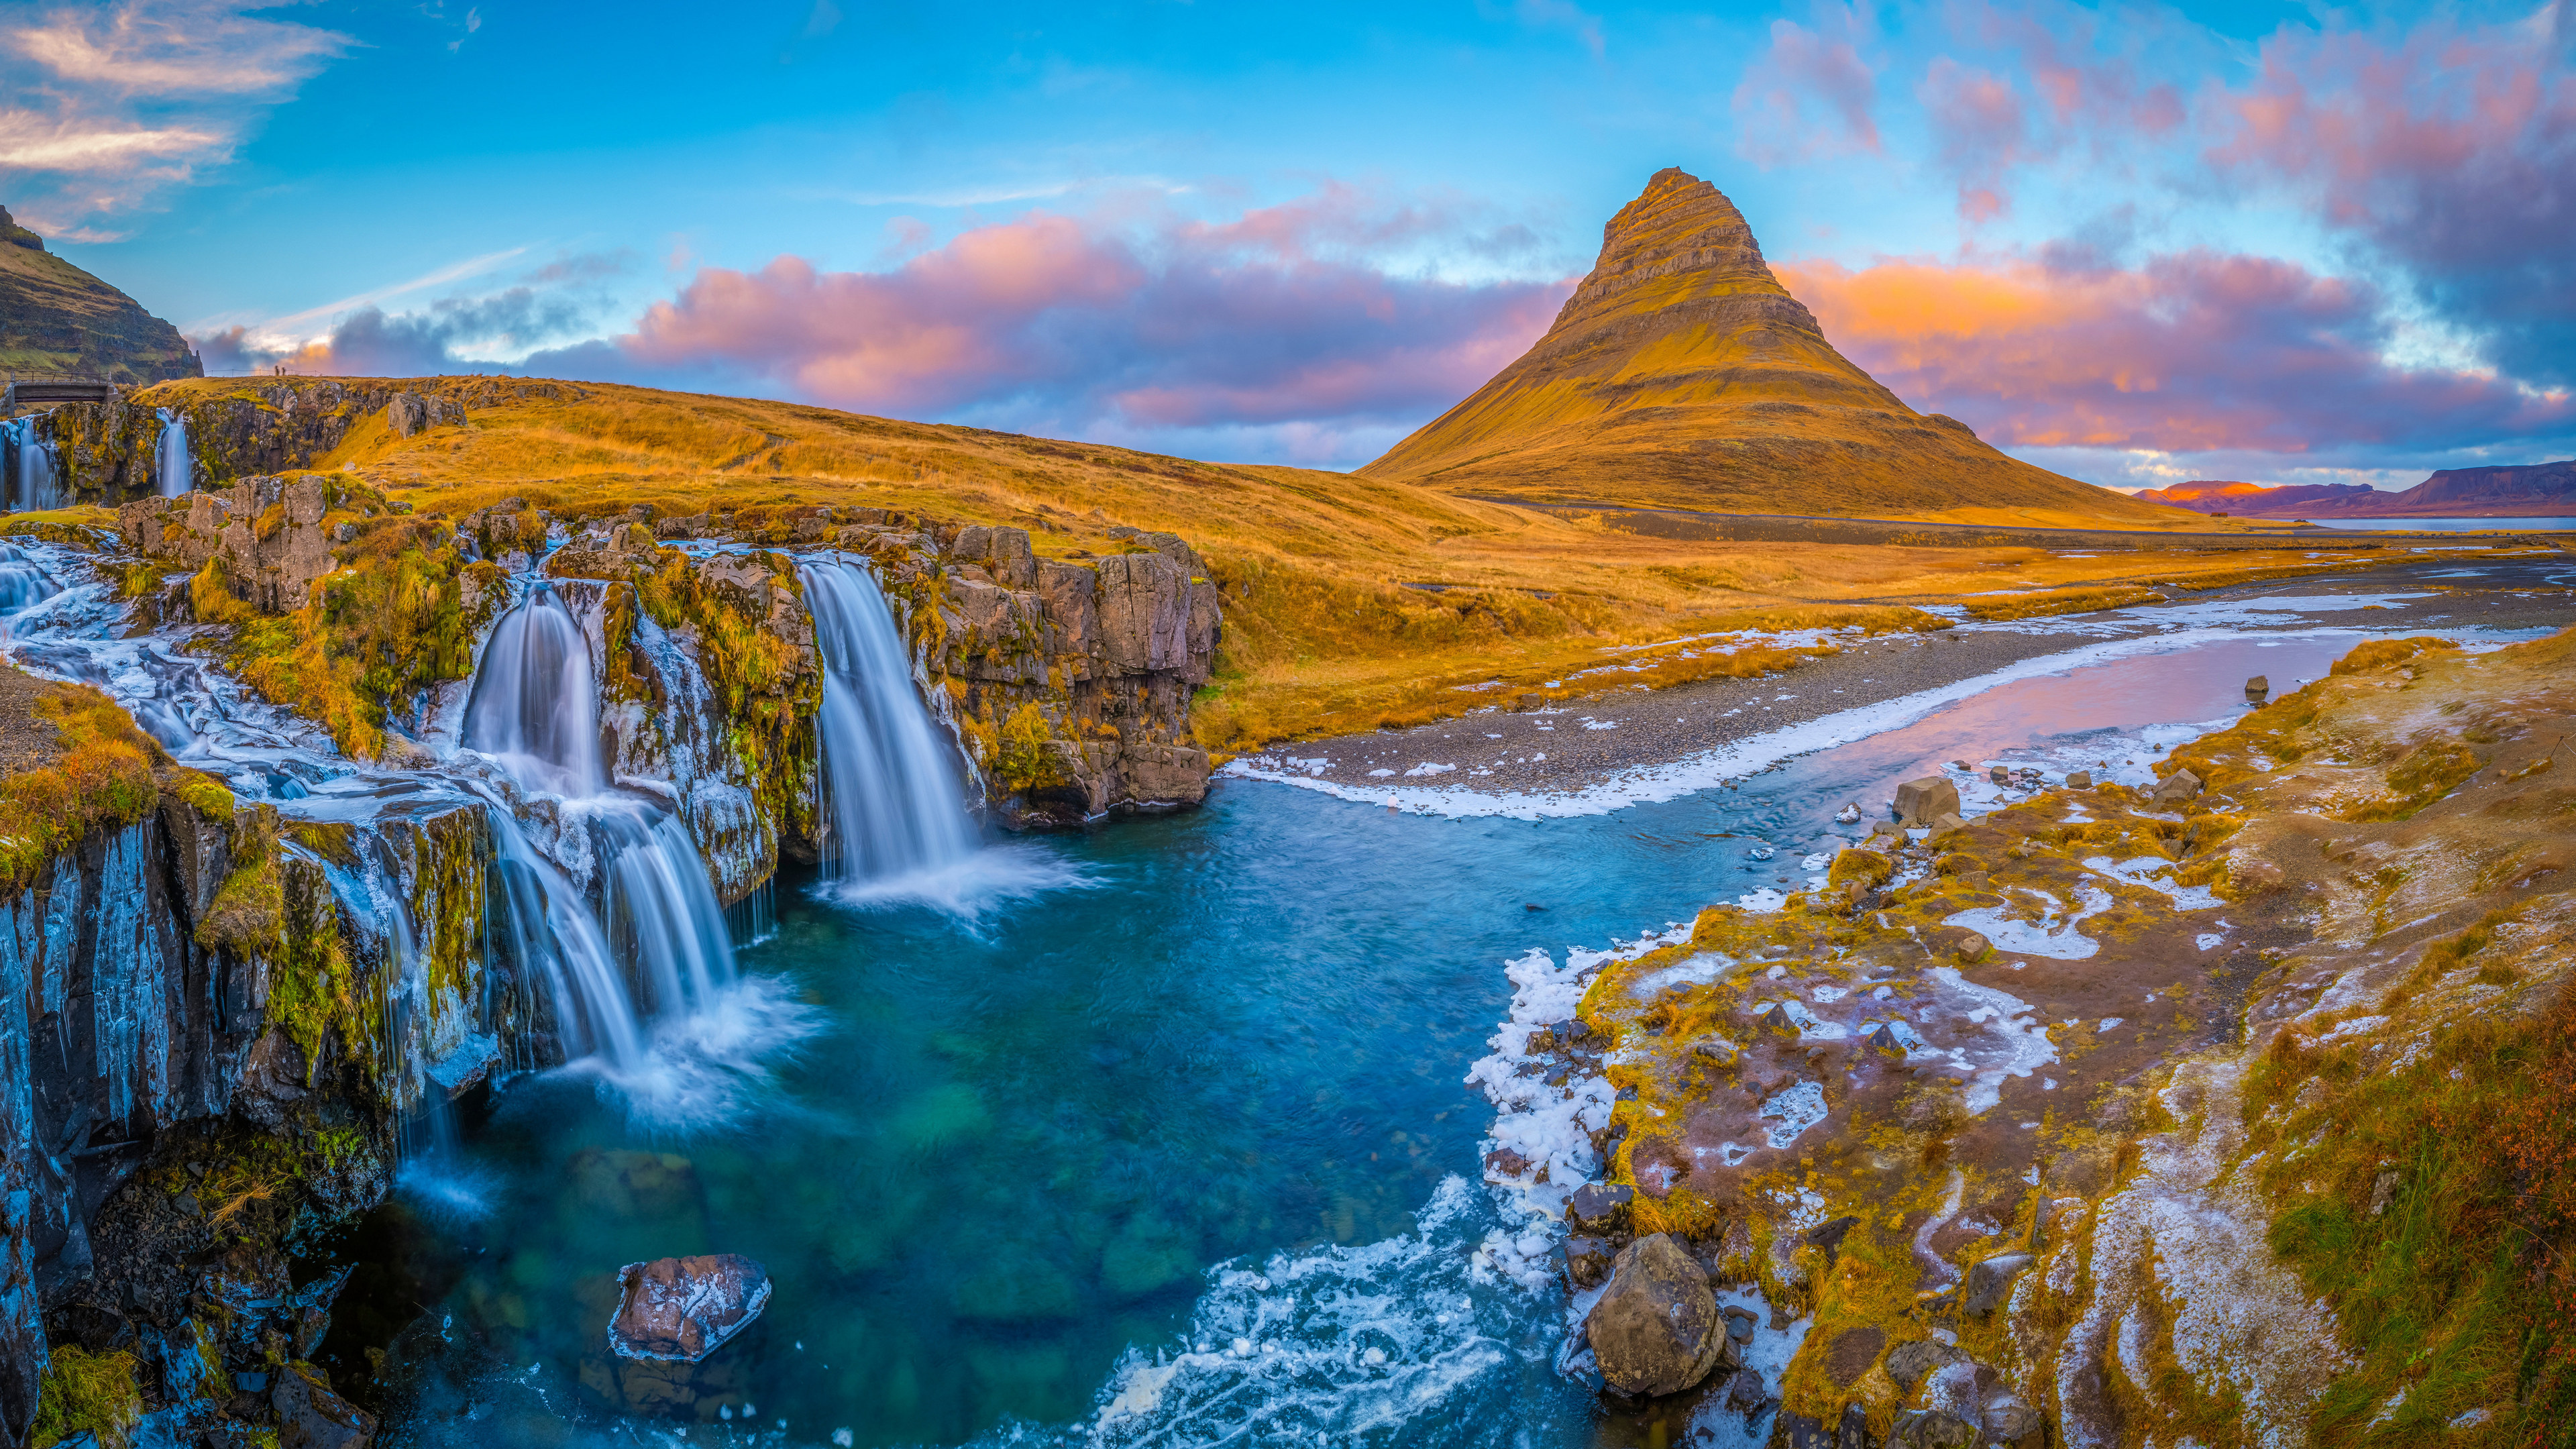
x,y
163,1122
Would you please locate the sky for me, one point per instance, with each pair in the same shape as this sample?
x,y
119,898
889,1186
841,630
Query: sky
x,y
2138,244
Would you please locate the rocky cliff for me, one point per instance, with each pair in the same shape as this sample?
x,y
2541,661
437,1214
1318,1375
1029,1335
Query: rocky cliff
x,y
1682,373
2229,1111
196,1064
57,319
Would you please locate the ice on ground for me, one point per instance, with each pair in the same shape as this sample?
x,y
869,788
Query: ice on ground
x,y
1427,767
2207,939
2156,874
2052,935
2008,1040
1762,902
1798,1107
1697,970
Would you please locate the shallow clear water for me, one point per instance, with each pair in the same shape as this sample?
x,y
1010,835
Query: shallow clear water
x,y
988,1160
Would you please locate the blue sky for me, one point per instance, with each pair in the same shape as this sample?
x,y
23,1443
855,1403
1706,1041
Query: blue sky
x,y
2135,243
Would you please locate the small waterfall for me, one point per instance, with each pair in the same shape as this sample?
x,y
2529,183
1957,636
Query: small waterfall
x,y
29,473
662,914
658,945
172,467
895,806
23,581
533,707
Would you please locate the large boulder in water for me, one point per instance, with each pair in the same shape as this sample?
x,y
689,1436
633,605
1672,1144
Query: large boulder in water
x,y
685,1308
1657,1329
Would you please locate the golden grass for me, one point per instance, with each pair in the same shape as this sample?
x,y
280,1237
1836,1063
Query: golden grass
x,y
1322,633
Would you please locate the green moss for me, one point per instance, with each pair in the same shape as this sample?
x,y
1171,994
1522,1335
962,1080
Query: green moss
x,y
1023,760
87,1393
205,794
248,914
761,681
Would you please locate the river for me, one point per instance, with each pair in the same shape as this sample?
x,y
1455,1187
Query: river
x,y
1178,1150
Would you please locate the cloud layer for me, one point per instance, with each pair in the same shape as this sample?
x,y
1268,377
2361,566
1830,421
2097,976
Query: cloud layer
x,y
104,107
2188,352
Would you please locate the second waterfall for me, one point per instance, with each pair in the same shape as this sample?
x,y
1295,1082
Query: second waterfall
x,y
896,808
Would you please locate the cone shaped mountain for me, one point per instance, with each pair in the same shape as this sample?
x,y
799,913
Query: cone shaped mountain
x,y
1682,374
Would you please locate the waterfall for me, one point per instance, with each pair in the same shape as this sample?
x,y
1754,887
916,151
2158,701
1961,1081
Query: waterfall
x,y
533,707
171,467
895,806
28,472
534,710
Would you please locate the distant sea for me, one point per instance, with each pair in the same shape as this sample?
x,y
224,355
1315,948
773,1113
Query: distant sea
x,y
2451,525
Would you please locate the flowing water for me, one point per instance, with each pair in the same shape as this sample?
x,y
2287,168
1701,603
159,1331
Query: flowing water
x,y
29,466
1182,1154
173,471
896,806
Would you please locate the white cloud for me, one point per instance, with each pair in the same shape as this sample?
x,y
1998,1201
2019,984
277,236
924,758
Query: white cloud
x,y
107,105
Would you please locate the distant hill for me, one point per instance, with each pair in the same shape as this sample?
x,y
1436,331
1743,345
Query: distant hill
x,y
1682,374
2254,500
2516,491
56,318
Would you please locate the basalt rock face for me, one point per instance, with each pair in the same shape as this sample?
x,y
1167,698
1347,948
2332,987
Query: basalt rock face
x,y
1067,682
1681,373
56,318
268,533
162,1129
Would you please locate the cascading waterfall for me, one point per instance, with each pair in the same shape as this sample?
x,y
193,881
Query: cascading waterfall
x,y
534,711
172,468
895,806
29,476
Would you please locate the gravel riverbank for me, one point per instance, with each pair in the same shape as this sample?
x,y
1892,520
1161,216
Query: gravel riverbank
x,y
1581,745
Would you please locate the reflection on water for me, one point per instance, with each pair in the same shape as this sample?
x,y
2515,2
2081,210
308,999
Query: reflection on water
x,y
992,1174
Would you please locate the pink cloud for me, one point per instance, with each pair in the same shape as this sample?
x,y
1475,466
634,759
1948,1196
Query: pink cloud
x,y
2189,352
2450,153
1807,71
1977,118
1084,325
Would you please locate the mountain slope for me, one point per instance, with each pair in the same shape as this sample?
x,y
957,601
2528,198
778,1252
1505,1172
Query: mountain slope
x,y
1681,373
56,318
2524,490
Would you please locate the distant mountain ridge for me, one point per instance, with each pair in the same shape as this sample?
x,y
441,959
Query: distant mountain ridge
x,y
1681,373
2504,491
57,319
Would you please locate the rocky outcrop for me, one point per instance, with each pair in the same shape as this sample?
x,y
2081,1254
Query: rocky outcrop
x,y
269,537
163,1124
241,427
685,1308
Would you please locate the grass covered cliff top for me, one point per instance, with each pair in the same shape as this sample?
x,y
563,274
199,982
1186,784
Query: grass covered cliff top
x,y
1350,601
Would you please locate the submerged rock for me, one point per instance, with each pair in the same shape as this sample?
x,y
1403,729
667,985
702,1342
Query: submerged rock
x,y
685,1308
1656,1329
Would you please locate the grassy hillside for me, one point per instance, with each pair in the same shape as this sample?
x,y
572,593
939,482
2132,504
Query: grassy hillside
x,y
1682,374
56,318
1351,601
